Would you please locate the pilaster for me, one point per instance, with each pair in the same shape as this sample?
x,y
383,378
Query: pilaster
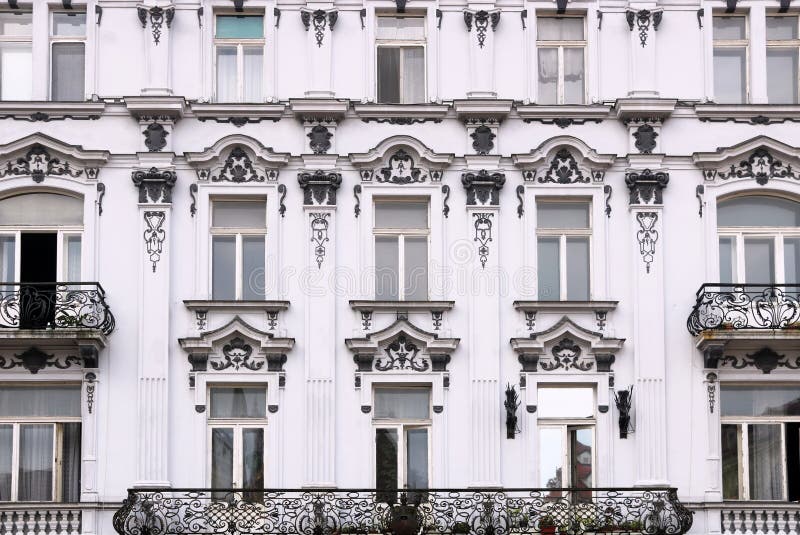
x,y
156,22
643,21
481,25
319,22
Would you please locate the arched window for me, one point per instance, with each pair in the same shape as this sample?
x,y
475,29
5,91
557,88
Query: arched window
x,y
759,240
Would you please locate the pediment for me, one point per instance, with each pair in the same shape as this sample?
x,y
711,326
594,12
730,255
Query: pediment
x,y
237,158
263,342
761,158
40,156
563,160
401,160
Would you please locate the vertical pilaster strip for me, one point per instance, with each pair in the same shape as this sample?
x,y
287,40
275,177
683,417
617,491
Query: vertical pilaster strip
x,y
481,25
156,22
89,407
643,19
319,24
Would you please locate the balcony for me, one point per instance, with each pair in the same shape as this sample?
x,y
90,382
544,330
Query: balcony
x,y
740,518
647,511
734,307
40,519
55,306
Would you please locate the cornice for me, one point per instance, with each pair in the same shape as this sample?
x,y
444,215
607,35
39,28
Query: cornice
x,y
401,113
477,108
320,109
755,114
169,107
51,111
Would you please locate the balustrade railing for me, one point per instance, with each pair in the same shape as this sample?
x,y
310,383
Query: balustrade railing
x,y
39,520
54,305
771,519
648,511
745,306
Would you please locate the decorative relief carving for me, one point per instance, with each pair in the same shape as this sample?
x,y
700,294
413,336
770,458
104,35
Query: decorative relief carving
x,y
236,354
356,194
319,234
765,360
155,186
38,163
711,388
319,187
647,236
482,20
761,165
445,206
157,17
35,360
90,379
483,187
239,168
646,186
564,170
483,235
482,139
154,235
101,192
645,137
155,137
281,205
401,170
402,354
520,196
642,19
607,190
567,355
320,19
319,139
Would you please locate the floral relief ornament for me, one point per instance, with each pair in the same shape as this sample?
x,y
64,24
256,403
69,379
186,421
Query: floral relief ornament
x,y
38,163
647,236
154,235
761,165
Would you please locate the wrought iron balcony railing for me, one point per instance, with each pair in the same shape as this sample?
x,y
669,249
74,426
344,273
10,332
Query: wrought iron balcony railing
x,y
745,306
647,511
54,305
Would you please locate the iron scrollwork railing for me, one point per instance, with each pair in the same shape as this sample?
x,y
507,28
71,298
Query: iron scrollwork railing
x,y
745,306
55,305
645,511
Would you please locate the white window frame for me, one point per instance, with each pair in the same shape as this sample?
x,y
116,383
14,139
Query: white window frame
x,y
21,40
239,43
401,233
776,234
786,44
734,43
53,39
237,233
560,46
403,43
62,232
563,234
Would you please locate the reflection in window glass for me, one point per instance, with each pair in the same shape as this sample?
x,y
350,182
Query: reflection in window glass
x,y
731,460
551,458
35,463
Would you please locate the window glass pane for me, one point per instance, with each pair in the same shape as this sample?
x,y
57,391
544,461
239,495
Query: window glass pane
x,y
413,75
41,209
226,74
548,76
416,268
6,445
68,68
573,76
386,463
417,459
223,267
758,211
781,28
240,26
565,402
7,258
551,458
221,459
791,260
402,403
16,24
730,75
730,28
252,460
71,462
559,29
253,62
581,453
16,71
401,215
578,269
69,24
387,258
727,269
239,214
766,462
237,402
253,267
388,75
759,260
40,400
400,28
731,461
562,215
549,271
35,463
782,75
73,246
760,400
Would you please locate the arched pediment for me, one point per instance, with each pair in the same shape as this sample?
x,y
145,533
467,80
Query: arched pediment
x,y
566,346
401,160
40,156
237,158
265,342
761,158
563,160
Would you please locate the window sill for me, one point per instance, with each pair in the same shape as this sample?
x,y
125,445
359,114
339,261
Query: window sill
x,y
319,108
173,107
237,113
241,305
483,108
565,306
563,115
46,111
401,113
644,108
757,114
401,306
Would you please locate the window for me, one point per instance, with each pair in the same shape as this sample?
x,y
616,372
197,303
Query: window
x,y
730,59
401,60
401,250
783,45
566,439
561,46
402,439
237,423
760,442
16,66
563,236
239,52
759,240
40,443
238,249
67,55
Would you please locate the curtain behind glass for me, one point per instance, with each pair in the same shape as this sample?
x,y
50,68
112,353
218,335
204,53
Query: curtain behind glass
x,y
386,464
226,74
7,260
782,75
221,460
402,403
6,445
41,209
413,75
40,400
730,75
35,463
548,274
238,402
416,268
548,76
578,269
253,251
766,464
253,63
223,267
68,65
16,71
387,258
388,75
730,461
71,462
417,458
574,91
253,463
73,258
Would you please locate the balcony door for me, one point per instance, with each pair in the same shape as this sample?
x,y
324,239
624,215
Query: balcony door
x,y
37,277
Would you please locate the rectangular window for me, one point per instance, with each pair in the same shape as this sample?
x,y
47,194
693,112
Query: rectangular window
x,y
401,250
563,246
731,51
16,65
400,59
40,443
67,55
239,55
760,442
783,45
238,249
561,52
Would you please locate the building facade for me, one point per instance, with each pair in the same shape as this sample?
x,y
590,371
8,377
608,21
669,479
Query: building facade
x,y
380,245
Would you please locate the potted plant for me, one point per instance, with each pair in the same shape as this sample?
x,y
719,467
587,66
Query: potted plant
x,y
460,527
547,525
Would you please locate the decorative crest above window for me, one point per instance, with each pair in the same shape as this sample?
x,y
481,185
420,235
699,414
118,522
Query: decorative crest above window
x,y
40,156
761,159
482,20
239,168
401,160
563,160
238,159
564,170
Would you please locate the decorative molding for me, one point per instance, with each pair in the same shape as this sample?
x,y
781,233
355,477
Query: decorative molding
x,y
193,195
530,320
511,405
482,20
402,354
238,168
761,166
483,139
319,139
483,188
35,360
319,234
520,196
155,186
566,355
445,206
623,399
90,380
607,191
320,19
483,234
201,317
645,186
158,16
236,354
647,236
101,192
436,319
366,409
562,122
319,187
366,319
401,170
711,389
38,163
645,136
154,235
155,137
357,195
601,317
699,192
404,121
643,18
272,319
564,170
765,360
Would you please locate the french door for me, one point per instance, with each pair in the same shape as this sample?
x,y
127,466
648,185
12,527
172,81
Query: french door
x,y
237,460
566,460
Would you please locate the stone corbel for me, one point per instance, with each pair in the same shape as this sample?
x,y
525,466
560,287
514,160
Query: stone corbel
x,y
646,186
155,185
319,187
483,187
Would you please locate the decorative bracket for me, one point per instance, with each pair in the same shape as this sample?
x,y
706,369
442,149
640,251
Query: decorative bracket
x,y
624,400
